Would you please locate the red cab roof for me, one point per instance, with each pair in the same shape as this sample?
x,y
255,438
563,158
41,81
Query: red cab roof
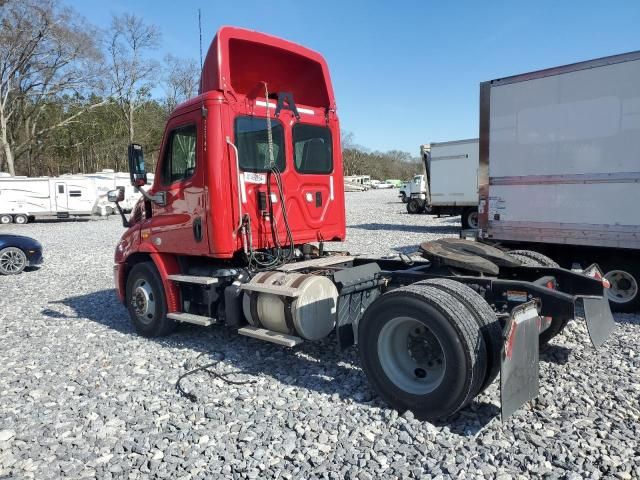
x,y
240,60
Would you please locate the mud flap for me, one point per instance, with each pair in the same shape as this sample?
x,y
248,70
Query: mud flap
x,y
600,323
519,365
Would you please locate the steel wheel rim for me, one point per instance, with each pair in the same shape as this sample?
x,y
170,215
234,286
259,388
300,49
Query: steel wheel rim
x,y
12,261
411,356
472,219
143,301
20,220
623,287
5,220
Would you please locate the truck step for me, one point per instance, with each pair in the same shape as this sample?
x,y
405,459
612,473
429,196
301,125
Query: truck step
x,y
193,279
270,336
191,318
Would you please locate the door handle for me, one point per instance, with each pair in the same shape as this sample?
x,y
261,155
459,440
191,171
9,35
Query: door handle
x,y
197,229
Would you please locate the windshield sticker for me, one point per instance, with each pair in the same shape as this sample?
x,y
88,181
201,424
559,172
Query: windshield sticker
x,y
259,178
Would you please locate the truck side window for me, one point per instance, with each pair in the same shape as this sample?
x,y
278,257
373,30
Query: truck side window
x,y
312,149
253,143
180,155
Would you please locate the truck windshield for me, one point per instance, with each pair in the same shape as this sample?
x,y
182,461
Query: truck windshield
x,y
312,149
253,143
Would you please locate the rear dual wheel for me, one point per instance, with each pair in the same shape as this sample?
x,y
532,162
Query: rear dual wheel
x,y
21,219
6,219
469,218
623,292
423,350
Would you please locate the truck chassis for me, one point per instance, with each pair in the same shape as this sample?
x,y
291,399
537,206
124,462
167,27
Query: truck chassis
x,y
432,332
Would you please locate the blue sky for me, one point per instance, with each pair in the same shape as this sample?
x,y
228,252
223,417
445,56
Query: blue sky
x,y
405,73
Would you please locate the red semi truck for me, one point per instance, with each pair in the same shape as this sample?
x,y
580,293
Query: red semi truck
x,y
249,186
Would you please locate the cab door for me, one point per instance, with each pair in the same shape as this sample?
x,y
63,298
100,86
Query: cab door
x,y
180,226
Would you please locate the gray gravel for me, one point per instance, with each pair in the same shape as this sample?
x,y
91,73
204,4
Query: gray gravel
x,y
82,396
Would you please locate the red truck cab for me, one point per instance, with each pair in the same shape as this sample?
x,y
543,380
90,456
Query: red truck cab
x,y
239,172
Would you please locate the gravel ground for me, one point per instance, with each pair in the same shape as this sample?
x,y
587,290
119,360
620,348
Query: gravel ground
x,y
82,396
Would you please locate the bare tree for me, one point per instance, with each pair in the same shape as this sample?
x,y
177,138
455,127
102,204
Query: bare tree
x,y
45,52
181,81
132,75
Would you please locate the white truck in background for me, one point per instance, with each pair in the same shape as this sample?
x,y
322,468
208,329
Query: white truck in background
x,y
560,167
450,183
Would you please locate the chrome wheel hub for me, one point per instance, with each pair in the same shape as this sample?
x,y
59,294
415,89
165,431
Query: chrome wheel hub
x,y
624,287
143,301
411,355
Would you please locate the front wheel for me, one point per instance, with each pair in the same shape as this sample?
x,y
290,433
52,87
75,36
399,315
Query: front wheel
x,y
146,301
422,351
403,197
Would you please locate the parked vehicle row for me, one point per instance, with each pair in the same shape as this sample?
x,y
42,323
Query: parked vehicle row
x,y
23,199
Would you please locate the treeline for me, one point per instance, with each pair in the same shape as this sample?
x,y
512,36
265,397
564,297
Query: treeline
x,y
395,164
72,97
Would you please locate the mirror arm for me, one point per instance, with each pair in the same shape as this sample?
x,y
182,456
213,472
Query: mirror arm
x,y
125,222
159,198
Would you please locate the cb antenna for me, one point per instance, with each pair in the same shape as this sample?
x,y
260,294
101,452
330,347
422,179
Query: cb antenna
x,y
200,32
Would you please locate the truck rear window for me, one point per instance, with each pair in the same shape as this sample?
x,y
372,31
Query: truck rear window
x,y
312,149
253,144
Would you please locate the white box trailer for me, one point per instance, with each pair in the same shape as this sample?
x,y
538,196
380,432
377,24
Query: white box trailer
x,y
450,185
25,198
560,167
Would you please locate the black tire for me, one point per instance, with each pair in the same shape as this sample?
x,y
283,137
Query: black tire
x,y
484,316
464,357
542,260
535,259
403,197
142,277
415,206
12,261
469,218
20,219
6,219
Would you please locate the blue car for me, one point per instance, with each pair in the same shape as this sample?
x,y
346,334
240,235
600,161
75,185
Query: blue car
x,y
18,252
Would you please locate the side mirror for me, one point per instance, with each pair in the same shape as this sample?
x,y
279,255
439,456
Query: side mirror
x,y
116,195
137,170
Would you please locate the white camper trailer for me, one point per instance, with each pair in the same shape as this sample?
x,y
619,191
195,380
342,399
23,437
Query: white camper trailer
x,y
23,198
108,179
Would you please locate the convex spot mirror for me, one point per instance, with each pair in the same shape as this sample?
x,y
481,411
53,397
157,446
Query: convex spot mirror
x,y
116,195
137,170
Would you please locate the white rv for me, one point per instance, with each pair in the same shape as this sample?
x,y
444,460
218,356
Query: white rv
x,y
108,179
23,198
